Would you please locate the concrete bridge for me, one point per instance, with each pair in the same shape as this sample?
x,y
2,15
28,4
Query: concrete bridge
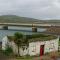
x,y
25,24
33,25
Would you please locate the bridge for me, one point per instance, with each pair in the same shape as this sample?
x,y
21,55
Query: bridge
x,y
33,25
25,24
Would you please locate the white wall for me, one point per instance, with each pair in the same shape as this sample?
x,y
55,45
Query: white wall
x,y
4,42
15,49
34,47
51,45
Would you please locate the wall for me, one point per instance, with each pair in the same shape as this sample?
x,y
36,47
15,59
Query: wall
x,y
34,47
4,42
51,45
15,49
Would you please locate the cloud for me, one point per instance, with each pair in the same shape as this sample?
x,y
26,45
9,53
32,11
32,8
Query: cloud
x,y
40,9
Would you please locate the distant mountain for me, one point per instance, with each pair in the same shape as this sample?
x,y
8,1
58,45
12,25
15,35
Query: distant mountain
x,y
17,19
52,21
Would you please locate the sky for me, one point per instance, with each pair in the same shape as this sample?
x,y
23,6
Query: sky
x,y
39,9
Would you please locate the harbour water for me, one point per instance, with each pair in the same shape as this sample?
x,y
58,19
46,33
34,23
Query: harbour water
x,y
12,29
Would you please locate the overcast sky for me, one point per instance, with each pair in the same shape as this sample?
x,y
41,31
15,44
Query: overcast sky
x,y
40,9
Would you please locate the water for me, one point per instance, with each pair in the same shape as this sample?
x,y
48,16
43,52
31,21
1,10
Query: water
x,y
12,30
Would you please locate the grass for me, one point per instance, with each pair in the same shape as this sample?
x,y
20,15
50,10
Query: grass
x,y
25,58
59,41
45,57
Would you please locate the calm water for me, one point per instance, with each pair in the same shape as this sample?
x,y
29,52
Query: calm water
x,y
12,30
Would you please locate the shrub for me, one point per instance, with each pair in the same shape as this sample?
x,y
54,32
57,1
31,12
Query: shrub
x,y
8,51
59,41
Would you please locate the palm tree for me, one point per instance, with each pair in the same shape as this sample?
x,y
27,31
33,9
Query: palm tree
x,y
21,41
25,40
18,40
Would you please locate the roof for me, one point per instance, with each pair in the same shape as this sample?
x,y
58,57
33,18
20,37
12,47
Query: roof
x,y
42,39
10,38
36,37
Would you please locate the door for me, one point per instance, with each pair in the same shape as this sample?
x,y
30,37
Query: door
x,y
41,50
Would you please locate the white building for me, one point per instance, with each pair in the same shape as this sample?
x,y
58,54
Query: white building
x,y
38,47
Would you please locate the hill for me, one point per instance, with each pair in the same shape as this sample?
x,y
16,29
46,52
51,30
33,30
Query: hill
x,y
52,21
17,19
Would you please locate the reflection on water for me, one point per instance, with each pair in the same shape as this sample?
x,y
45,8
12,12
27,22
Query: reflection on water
x,y
12,30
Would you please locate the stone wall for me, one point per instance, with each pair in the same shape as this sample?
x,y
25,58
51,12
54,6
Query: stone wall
x,y
34,47
49,46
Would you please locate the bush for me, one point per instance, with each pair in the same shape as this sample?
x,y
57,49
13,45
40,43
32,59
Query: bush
x,y
59,41
8,51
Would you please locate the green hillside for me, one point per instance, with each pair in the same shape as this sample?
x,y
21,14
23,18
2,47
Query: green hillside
x,y
17,19
52,21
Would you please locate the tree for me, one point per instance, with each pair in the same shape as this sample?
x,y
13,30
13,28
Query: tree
x,y
26,41
21,41
18,40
